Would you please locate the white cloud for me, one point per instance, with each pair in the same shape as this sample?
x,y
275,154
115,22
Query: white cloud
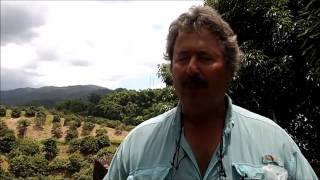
x,y
93,42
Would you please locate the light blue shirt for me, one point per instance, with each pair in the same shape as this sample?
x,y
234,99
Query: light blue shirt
x,y
250,142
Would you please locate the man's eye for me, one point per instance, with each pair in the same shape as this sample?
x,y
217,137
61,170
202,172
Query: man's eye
x,y
182,58
205,58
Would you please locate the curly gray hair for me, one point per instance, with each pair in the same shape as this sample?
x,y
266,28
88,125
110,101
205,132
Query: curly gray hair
x,y
204,16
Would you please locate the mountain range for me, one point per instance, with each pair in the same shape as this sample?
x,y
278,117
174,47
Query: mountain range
x,y
48,95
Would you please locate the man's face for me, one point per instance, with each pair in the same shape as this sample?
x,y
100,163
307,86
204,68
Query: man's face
x,y
200,75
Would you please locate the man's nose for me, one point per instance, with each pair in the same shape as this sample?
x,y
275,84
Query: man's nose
x,y
193,68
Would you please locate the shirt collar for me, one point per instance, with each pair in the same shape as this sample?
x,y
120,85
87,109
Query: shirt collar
x,y
229,122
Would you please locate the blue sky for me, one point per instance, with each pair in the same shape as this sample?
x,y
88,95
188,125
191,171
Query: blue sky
x,y
107,43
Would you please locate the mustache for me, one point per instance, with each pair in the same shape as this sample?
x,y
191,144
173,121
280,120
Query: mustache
x,y
194,81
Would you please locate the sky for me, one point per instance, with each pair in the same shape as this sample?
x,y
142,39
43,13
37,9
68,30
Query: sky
x,y
111,44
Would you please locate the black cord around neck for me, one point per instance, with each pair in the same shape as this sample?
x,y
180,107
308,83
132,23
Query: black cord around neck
x,y
175,162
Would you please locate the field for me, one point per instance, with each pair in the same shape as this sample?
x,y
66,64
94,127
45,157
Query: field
x,y
39,135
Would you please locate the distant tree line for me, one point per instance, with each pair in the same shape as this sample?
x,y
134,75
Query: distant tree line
x,y
128,106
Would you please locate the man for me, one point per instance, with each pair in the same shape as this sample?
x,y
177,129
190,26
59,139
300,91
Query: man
x,y
206,136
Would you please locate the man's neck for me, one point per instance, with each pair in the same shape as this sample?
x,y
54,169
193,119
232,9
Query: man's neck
x,y
203,131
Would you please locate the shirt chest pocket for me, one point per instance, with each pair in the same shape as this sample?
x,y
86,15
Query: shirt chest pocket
x,y
157,173
248,171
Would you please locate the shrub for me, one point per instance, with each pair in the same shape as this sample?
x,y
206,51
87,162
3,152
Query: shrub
x,y
71,120
3,111
30,111
22,127
7,138
24,166
75,162
101,132
106,150
103,141
56,119
50,148
58,164
85,173
89,145
112,124
56,130
15,113
21,166
29,147
87,128
74,145
71,134
7,142
40,165
40,119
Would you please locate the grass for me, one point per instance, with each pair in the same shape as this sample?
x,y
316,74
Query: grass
x,y
4,163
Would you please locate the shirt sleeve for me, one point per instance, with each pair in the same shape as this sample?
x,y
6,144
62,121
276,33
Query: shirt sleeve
x,y
300,167
117,169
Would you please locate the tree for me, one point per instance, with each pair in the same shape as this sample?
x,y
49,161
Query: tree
x,y
164,73
276,71
50,148
309,20
22,127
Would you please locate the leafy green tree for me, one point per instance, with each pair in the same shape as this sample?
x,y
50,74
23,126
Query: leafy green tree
x,y
164,73
74,105
277,73
309,21
50,148
22,126
94,98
